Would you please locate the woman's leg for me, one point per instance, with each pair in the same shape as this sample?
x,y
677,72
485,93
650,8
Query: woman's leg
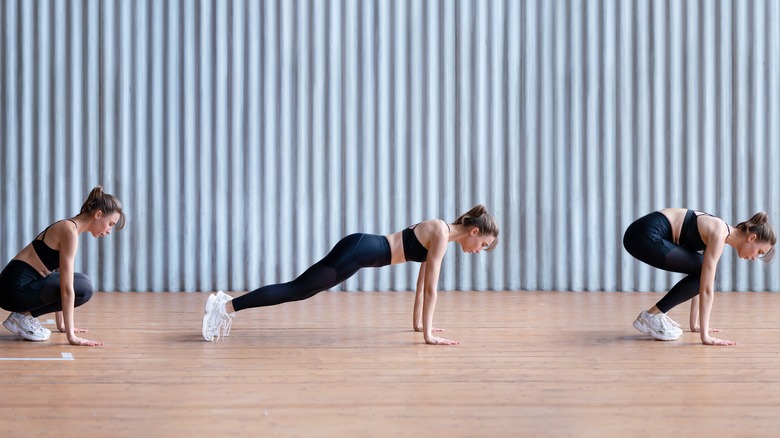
x,y
350,254
51,295
20,286
649,240
24,290
687,262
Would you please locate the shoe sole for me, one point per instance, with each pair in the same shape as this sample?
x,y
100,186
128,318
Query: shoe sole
x,y
664,337
13,328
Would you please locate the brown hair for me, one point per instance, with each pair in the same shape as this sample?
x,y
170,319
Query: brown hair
x,y
98,200
765,233
480,218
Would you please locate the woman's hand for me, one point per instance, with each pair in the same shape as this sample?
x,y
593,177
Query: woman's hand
x,y
715,341
697,329
435,340
75,340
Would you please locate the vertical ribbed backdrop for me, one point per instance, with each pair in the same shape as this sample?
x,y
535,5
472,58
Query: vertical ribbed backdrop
x,y
246,137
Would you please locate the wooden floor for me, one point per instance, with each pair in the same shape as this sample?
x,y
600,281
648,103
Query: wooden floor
x,y
346,364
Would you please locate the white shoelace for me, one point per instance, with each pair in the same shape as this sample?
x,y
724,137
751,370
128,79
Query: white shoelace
x,y
35,324
663,320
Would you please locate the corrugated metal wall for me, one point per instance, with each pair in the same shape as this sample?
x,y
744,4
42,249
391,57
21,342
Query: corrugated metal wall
x,y
246,137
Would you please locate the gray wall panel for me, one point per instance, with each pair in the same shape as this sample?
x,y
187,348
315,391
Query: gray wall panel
x,y
246,137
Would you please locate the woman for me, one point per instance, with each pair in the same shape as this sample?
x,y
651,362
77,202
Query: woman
x,y
40,279
425,242
672,239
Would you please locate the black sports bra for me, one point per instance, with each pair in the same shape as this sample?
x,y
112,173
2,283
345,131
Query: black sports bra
x,y
689,231
414,251
50,257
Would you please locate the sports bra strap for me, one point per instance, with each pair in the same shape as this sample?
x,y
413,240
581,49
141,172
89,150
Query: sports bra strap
x,y
43,235
728,228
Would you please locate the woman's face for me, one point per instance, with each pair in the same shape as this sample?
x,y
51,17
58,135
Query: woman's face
x,y
103,223
751,249
475,242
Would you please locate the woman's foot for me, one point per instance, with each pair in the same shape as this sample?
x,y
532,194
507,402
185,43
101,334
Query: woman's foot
x,y
216,321
27,327
659,326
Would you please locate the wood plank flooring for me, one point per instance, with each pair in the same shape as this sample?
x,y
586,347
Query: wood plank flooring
x,y
347,364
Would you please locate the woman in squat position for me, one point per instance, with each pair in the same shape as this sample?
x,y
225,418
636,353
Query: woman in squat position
x,y
425,242
41,278
672,239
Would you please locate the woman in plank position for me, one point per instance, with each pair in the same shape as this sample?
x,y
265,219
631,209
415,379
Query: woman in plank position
x,y
425,242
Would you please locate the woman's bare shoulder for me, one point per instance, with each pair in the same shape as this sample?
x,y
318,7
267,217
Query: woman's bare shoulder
x,y
63,230
434,224
674,211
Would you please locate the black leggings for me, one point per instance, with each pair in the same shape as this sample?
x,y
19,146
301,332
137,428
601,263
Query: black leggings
x,y
23,289
344,260
650,240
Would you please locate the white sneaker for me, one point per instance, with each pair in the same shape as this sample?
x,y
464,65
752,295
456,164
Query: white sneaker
x,y
659,326
39,326
222,296
26,326
216,321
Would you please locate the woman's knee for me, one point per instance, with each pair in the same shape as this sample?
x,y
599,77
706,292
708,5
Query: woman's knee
x,y
83,288
315,280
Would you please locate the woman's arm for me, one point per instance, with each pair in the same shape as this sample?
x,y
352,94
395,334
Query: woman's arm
x,y
706,289
68,246
417,321
694,319
417,316
60,322
438,246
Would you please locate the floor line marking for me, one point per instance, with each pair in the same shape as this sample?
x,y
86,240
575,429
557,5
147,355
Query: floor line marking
x,y
65,356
